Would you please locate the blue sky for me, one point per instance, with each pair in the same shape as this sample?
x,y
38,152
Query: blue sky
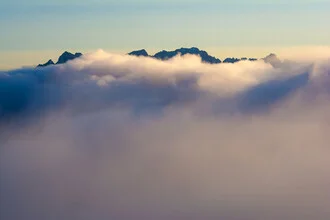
x,y
32,26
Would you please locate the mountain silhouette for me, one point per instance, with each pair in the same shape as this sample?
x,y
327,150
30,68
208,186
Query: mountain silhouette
x,y
253,59
232,60
165,55
273,60
206,58
65,57
48,63
235,60
138,53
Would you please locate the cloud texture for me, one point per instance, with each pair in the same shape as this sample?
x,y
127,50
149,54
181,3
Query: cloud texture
x,y
108,136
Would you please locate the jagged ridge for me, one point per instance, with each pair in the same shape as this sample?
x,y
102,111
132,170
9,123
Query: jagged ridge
x,y
165,55
49,62
65,57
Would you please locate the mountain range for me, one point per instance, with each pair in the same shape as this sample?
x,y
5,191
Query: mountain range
x,y
206,58
165,55
65,57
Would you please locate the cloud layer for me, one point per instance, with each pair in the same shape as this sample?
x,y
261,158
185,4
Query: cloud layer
x,y
108,136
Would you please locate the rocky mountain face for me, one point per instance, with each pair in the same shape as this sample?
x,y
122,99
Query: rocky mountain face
x,y
139,53
206,58
165,55
48,63
65,57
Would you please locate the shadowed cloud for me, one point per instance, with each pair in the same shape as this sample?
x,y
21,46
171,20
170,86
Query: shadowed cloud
x,y
108,136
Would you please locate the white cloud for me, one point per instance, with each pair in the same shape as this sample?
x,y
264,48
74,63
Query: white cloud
x,y
165,140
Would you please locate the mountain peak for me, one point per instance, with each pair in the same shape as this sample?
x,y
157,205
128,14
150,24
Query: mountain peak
x,y
138,53
67,56
66,53
190,50
273,60
232,60
271,55
165,55
48,63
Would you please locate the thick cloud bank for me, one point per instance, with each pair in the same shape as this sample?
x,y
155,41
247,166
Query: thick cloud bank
x,y
108,136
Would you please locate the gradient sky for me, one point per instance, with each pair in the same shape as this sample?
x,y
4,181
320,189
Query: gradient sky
x,y
32,29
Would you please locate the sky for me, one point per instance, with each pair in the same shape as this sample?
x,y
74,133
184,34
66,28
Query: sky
x,y
34,30
112,136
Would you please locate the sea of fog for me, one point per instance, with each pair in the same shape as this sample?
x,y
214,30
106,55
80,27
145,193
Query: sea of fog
x,y
110,136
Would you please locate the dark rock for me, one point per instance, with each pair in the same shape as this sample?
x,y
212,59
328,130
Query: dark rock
x,y
165,55
48,63
138,53
231,60
67,56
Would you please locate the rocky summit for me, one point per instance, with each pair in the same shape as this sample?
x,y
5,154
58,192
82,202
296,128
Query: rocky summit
x,y
139,53
65,57
48,63
165,55
206,58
